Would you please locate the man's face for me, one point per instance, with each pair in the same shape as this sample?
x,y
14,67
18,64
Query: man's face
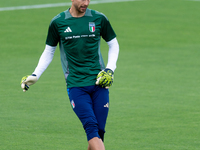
x,y
80,5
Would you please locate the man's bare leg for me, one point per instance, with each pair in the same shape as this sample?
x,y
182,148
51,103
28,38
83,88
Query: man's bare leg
x,y
96,144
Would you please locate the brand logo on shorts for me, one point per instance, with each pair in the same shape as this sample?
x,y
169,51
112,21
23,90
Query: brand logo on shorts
x,y
73,104
92,26
107,105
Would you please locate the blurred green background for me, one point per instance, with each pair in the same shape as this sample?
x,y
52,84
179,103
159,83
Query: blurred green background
x,y
154,101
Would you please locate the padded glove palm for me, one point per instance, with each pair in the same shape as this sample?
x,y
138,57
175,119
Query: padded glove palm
x,y
105,78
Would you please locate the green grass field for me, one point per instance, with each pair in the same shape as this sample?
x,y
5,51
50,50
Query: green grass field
x,y
155,98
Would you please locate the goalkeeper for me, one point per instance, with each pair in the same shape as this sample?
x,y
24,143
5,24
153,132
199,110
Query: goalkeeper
x,y
78,31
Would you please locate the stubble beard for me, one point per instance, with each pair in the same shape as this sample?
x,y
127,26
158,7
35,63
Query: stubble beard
x,y
80,10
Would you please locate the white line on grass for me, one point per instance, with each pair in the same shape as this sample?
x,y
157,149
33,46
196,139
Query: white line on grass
x,y
56,5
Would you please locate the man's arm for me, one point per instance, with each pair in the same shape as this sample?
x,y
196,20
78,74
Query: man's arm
x,y
45,60
112,54
105,77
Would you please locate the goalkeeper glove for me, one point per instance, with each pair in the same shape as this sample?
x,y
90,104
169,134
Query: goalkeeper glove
x,y
27,81
105,78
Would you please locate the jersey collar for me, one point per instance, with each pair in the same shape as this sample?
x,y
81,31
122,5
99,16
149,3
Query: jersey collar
x,y
68,15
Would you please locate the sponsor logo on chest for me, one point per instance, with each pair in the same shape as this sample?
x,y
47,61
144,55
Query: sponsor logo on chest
x,y
68,30
82,34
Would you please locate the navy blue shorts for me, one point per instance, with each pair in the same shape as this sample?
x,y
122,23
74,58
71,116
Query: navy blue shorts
x,y
91,105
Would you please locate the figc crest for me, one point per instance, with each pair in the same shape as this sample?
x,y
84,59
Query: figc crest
x,y
92,26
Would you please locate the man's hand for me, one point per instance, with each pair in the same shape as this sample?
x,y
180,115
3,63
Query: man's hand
x,y
27,81
105,78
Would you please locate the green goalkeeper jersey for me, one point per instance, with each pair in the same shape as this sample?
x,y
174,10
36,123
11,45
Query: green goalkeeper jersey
x,y
79,41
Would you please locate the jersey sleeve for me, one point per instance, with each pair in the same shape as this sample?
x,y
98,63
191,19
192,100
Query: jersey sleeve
x,y
52,36
107,31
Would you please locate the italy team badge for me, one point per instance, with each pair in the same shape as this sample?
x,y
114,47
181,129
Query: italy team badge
x,y
92,26
73,104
